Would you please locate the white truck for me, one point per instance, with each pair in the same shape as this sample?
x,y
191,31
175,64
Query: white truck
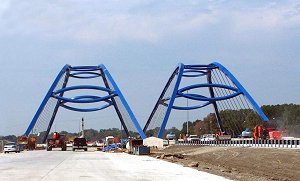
x,y
193,138
109,140
208,137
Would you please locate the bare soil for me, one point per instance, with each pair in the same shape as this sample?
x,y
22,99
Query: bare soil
x,y
245,164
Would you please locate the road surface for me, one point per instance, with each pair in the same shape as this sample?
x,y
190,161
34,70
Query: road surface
x,y
92,165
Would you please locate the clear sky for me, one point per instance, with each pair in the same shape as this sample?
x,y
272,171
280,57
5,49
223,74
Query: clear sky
x,y
141,42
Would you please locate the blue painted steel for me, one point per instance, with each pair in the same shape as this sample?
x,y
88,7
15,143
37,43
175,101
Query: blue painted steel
x,y
117,90
207,85
84,72
211,99
86,109
120,116
84,68
191,107
243,90
203,98
83,87
164,123
199,67
84,99
47,97
79,75
198,71
160,99
66,78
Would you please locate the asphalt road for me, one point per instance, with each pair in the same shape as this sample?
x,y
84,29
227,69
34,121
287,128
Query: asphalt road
x,y
92,165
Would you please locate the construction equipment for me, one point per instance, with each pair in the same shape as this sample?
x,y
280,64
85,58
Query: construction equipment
x,y
57,141
221,136
263,132
79,143
27,142
109,140
31,145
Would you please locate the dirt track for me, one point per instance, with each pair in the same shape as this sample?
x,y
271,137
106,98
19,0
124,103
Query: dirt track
x,y
245,164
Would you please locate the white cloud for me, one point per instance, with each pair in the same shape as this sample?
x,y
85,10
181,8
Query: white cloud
x,y
150,21
270,17
99,21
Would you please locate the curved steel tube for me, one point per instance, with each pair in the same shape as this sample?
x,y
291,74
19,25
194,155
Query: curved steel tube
x,y
84,99
84,68
207,85
191,107
78,75
199,73
86,109
83,87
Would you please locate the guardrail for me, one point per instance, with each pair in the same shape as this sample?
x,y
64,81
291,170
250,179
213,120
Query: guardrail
x,y
294,143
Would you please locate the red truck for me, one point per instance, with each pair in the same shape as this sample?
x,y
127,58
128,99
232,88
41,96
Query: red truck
x,y
57,141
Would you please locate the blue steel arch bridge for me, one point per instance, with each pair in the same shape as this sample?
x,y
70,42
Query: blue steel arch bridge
x,y
205,86
209,85
100,96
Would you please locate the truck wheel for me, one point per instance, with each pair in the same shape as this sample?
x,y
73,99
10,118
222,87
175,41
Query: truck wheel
x,y
85,149
49,148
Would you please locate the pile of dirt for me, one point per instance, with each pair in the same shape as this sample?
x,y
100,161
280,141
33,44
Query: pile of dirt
x,y
245,164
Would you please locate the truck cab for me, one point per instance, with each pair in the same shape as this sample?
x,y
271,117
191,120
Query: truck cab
x,y
79,144
109,140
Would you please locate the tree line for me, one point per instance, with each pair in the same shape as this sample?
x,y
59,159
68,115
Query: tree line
x,y
285,116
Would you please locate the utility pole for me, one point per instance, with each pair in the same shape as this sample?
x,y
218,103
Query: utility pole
x,y
187,115
121,133
2,146
82,128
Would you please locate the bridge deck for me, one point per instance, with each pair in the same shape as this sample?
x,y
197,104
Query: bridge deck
x,y
58,165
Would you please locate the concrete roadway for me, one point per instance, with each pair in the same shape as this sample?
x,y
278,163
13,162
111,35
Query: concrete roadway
x,y
92,165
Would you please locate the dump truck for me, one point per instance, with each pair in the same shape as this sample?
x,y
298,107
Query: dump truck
x,y
57,141
27,142
263,132
31,144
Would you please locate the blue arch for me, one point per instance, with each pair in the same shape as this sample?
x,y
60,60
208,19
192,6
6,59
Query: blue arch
x,y
243,90
199,71
85,72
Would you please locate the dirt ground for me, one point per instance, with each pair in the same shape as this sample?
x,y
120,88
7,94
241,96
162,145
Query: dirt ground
x,y
245,164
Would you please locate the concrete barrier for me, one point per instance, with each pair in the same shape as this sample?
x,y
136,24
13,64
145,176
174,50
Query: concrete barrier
x,y
287,144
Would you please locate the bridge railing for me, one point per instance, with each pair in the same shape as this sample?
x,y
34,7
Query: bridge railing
x,y
293,143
